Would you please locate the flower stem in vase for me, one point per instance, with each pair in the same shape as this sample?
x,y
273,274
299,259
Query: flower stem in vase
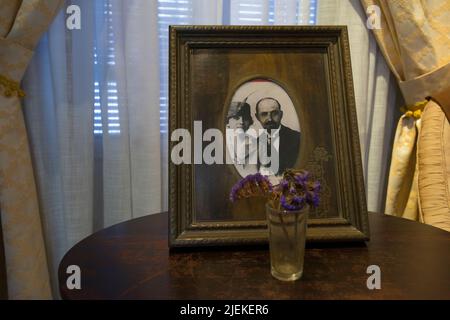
x,y
286,233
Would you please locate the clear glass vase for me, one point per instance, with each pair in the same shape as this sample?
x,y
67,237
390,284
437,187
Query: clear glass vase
x,y
287,234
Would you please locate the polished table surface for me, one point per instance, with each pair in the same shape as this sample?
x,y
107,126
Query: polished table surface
x,y
131,260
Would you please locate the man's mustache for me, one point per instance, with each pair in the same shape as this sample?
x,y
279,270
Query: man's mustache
x,y
270,123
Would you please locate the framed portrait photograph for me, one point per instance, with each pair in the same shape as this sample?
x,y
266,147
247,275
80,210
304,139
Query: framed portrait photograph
x,y
286,90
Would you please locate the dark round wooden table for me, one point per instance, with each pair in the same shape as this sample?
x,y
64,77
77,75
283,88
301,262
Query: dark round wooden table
x,y
131,260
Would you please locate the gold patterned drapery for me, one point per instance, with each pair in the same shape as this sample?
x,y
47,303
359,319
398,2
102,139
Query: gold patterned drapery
x,y
415,40
21,25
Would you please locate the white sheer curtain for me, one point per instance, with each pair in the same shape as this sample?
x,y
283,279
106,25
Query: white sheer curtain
x,y
375,95
96,105
88,181
58,114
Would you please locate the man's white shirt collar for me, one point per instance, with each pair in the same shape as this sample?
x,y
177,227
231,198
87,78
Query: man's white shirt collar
x,y
275,137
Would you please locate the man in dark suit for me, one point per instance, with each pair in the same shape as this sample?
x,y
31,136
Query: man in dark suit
x,y
281,139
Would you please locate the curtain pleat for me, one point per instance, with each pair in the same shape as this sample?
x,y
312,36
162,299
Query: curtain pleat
x,y
21,26
414,40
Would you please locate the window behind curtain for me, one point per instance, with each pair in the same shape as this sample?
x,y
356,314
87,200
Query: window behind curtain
x,y
170,12
179,12
106,120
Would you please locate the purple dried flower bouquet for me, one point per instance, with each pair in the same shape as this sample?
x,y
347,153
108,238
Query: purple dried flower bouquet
x,y
287,210
296,190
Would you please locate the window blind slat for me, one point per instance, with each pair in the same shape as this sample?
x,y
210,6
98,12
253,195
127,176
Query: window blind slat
x,y
109,92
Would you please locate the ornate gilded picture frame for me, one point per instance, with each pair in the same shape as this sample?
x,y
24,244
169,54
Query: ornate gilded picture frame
x,y
216,72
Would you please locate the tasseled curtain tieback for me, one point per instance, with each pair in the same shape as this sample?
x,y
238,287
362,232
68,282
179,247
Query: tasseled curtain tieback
x,y
414,110
10,87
